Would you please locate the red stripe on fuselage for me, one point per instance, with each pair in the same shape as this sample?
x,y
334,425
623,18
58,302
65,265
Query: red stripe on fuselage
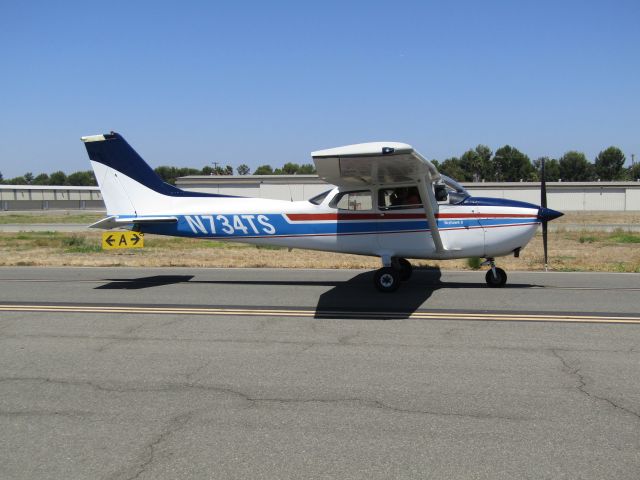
x,y
310,217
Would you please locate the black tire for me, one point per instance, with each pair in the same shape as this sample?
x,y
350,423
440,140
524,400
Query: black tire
x,y
406,269
496,281
387,279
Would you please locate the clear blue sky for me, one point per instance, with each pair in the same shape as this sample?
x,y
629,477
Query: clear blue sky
x,y
189,83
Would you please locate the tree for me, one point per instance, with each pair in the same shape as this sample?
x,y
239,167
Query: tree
x,y
243,169
551,168
83,178
206,170
633,172
17,181
574,167
1,177
452,167
307,169
28,177
264,170
290,168
609,164
42,179
58,178
511,165
167,174
476,164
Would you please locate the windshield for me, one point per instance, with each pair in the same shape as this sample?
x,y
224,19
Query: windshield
x,y
457,193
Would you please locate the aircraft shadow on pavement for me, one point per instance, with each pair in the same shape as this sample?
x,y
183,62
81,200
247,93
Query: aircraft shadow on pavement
x,y
160,280
357,299
144,282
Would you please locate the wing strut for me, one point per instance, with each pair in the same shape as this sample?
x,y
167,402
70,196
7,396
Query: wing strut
x,y
429,201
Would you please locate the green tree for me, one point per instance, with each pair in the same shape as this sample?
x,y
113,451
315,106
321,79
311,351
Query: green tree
x,y
290,168
551,167
206,170
511,165
42,179
58,178
609,164
452,167
167,174
1,178
17,181
476,164
574,167
82,178
243,169
633,172
307,169
264,170
28,177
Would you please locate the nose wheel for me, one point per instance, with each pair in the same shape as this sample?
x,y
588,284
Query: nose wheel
x,y
495,277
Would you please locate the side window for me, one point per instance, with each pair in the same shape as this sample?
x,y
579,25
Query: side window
x,y
359,200
399,198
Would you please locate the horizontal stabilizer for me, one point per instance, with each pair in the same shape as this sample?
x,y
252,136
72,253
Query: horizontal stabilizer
x,y
114,222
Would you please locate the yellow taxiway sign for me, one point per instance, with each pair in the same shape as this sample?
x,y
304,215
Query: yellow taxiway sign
x,y
113,240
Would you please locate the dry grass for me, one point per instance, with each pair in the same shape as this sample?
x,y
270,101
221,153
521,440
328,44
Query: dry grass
x,y
599,218
569,251
63,217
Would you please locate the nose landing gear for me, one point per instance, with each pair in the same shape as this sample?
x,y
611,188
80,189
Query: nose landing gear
x,y
495,277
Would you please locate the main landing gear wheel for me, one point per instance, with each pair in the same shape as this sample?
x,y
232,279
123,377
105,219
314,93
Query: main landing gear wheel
x,y
387,279
405,269
496,280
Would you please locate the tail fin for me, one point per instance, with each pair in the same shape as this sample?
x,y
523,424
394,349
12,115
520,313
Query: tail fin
x,y
129,186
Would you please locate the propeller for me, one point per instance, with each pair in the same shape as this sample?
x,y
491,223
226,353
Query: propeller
x,y
543,204
545,214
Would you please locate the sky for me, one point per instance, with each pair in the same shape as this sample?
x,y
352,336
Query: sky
x,y
189,83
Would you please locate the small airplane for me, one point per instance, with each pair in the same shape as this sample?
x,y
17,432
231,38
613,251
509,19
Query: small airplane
x,y
389,201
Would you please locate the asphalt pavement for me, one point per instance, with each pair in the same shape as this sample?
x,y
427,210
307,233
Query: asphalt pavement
x,y
223,373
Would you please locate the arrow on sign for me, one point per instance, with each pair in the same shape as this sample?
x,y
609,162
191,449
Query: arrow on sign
x,y
110,240
135,239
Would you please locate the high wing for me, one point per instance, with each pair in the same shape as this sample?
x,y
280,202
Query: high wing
x,y
372,164
382,163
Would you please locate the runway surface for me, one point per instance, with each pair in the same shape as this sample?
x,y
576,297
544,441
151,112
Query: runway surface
x,y
222,373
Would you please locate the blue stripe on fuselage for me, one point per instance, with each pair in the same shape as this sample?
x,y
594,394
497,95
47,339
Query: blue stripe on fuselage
x,y
274,225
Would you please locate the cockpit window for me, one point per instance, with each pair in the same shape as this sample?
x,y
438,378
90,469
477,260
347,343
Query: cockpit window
x,y
399,198
318,199
357,200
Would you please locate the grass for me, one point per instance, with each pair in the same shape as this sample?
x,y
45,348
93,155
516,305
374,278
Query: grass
x,y
624,237
474,263
587,239
46,217
568,250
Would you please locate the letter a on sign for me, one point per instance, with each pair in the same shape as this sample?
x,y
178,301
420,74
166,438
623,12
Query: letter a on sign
x,y
114,240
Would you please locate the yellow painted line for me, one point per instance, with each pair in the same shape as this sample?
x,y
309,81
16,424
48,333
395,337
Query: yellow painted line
x,y
312,313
